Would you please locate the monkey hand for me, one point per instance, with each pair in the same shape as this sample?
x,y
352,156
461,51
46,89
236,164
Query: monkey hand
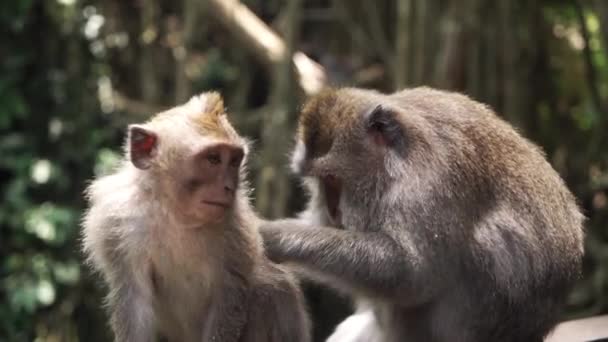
x,y
272,238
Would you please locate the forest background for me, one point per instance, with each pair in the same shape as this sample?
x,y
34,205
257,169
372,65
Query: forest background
x,y
73,73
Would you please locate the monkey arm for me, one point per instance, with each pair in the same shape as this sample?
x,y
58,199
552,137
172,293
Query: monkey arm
x,y
367,260
231,313
130,297
132,317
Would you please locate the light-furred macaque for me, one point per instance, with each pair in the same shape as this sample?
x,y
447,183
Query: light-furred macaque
x,y
174,236
446,222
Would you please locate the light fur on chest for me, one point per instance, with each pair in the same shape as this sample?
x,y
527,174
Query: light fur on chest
x,y
184,270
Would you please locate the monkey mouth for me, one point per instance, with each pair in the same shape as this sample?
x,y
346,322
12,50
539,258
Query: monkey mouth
x,y
224,205
333,187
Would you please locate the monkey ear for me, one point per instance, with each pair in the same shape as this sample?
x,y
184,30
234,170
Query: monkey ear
x,y
142,145
384,128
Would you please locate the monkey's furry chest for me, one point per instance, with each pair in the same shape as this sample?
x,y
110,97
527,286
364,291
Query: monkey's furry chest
x,y
182,285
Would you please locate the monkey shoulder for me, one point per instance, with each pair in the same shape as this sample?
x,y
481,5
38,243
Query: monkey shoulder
x,y
276,299
272,279
112,224
118,199
275,289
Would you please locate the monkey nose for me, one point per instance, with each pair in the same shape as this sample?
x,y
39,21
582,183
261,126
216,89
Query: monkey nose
x,y
229,186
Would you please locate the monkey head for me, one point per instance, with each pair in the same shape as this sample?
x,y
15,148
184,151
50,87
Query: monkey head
x,y
192,157
351,148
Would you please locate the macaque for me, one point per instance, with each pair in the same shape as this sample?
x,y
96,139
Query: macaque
x,y
174,236
435,213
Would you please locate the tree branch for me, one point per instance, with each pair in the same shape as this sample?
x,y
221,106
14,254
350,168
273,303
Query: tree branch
x,y
265,44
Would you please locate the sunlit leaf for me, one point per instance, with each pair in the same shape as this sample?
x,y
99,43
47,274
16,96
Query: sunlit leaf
x,y
67,273
45,292
107,160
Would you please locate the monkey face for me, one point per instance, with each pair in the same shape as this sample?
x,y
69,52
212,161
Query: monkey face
x,y
195,154
199,184
208,181
346,140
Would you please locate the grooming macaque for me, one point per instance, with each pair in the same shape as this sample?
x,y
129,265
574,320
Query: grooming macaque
x,y
175,238
444,219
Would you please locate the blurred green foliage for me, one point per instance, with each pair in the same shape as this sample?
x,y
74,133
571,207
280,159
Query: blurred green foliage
x,y
56,132
50,136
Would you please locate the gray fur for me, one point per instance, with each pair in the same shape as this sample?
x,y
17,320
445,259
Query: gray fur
x,y
460,232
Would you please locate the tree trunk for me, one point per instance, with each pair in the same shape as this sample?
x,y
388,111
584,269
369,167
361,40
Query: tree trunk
x,y
601,7
587,57
402,43
273,180
449,70
183,85
420,57
149,80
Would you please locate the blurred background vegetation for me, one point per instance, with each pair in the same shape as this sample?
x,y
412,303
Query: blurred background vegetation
x,y
73,73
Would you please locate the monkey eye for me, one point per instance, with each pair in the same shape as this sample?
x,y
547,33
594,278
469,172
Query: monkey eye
x,y
236,158
235,162
214,158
